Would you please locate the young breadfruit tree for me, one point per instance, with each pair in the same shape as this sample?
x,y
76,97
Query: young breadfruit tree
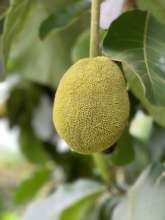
x,y
98,144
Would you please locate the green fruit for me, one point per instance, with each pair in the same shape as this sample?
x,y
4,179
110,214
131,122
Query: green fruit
x,y
91,106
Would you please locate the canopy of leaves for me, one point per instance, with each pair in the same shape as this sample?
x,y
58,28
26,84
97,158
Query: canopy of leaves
x,y
41,39
41,61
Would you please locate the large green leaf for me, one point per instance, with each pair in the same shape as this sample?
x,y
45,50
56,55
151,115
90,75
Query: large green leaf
x,y
157,113
30,186
64,200
156,7
40,61
145,200
63,17
137,39
13,23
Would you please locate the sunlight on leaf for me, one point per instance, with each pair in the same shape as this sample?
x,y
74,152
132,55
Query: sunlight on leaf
x,y
141,126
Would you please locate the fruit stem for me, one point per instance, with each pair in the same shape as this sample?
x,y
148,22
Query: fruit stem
x,y
103,167
100,161
94,32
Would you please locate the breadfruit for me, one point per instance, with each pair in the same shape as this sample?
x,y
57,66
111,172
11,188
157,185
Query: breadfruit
x,y
91,106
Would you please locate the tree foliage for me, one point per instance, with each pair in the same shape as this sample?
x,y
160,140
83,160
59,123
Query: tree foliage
x,y
39,40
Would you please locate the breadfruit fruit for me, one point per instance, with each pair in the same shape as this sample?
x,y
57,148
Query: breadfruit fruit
x,y
91,106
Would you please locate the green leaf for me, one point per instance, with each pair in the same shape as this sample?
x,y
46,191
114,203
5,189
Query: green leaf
x,y
40,61
145,200
30,186
63,17
124,151
102,209
21,103
8,216
13,23
137,39
19,11
81,47
157,113
79,210
64,200
156,7
32,147
90,208
58,5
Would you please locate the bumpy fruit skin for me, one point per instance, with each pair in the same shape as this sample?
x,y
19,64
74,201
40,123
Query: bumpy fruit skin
x,y
91,106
